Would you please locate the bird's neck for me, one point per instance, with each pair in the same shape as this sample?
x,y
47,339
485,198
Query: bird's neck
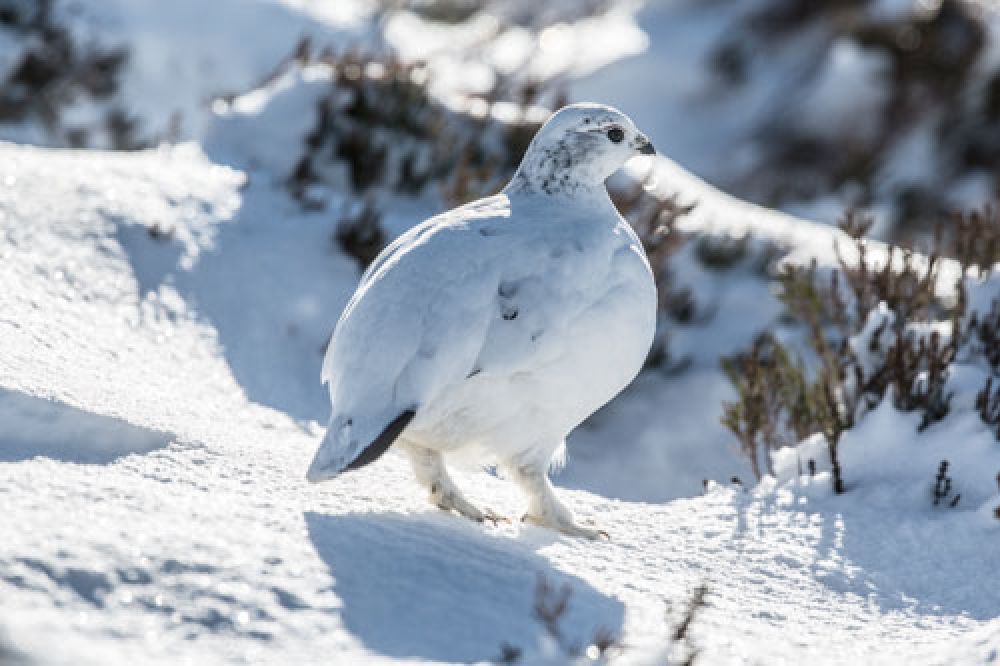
x,y
536,180
574,202
563,169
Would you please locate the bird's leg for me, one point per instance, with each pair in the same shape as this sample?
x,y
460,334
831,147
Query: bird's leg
x,y
428,467
544,508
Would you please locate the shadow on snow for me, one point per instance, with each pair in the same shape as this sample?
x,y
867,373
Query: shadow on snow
x,y
916,561
32,427
426,588
272,292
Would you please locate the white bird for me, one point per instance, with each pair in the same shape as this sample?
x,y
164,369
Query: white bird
x,y
499,326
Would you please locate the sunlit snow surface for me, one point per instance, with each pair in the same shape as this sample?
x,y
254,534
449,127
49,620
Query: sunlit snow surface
x,y
199,539
162,324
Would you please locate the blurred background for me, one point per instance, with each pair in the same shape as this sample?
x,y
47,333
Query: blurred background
x,y
810,106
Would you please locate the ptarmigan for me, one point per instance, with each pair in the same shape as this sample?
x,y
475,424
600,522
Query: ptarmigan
x,y
498,326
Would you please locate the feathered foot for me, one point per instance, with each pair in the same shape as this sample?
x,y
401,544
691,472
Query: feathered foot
x,y
544,507
429,468
568,528
455,501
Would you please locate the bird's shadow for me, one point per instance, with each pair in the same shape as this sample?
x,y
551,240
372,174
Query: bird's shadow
x,y
428,587
31,427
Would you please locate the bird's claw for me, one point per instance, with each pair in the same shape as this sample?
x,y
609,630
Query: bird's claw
x,y
464,508
491,516
569,529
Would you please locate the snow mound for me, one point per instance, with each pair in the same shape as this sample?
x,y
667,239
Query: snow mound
x,y
31,427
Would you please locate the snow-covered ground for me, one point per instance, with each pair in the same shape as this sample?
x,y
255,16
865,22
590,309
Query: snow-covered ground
x,y
169,520
163,316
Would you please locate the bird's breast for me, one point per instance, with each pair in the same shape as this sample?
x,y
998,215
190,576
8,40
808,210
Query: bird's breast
x,y
564,340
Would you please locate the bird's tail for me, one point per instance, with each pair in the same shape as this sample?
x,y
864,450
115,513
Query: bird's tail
x,y
346,447
329,460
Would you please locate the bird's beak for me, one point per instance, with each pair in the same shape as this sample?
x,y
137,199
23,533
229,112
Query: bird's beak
x,y
644,146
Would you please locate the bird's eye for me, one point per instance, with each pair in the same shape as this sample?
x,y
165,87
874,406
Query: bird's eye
x,y
616,134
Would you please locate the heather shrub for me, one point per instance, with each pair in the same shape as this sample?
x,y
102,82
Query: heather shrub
x,y
56,90
884,324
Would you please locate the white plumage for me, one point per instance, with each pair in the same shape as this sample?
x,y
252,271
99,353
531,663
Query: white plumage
x,y
498,326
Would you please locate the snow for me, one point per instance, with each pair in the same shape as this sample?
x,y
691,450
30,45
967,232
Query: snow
x,y
163,318
190,534
39,427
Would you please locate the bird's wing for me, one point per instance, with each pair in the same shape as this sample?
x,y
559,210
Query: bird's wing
x,y
415,325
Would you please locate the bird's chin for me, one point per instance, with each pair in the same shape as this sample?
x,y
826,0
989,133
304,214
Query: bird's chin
x,y
642,159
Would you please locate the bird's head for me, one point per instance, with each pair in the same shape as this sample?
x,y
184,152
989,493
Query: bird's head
x,y
579,147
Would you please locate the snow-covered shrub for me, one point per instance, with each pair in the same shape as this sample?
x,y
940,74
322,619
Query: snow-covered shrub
x,y
777,404
56,90
551,604
973,239
416,114
550,608
988,405
876,328
985,329
360,235
943,493
378,120
681,649
350,128
654,221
